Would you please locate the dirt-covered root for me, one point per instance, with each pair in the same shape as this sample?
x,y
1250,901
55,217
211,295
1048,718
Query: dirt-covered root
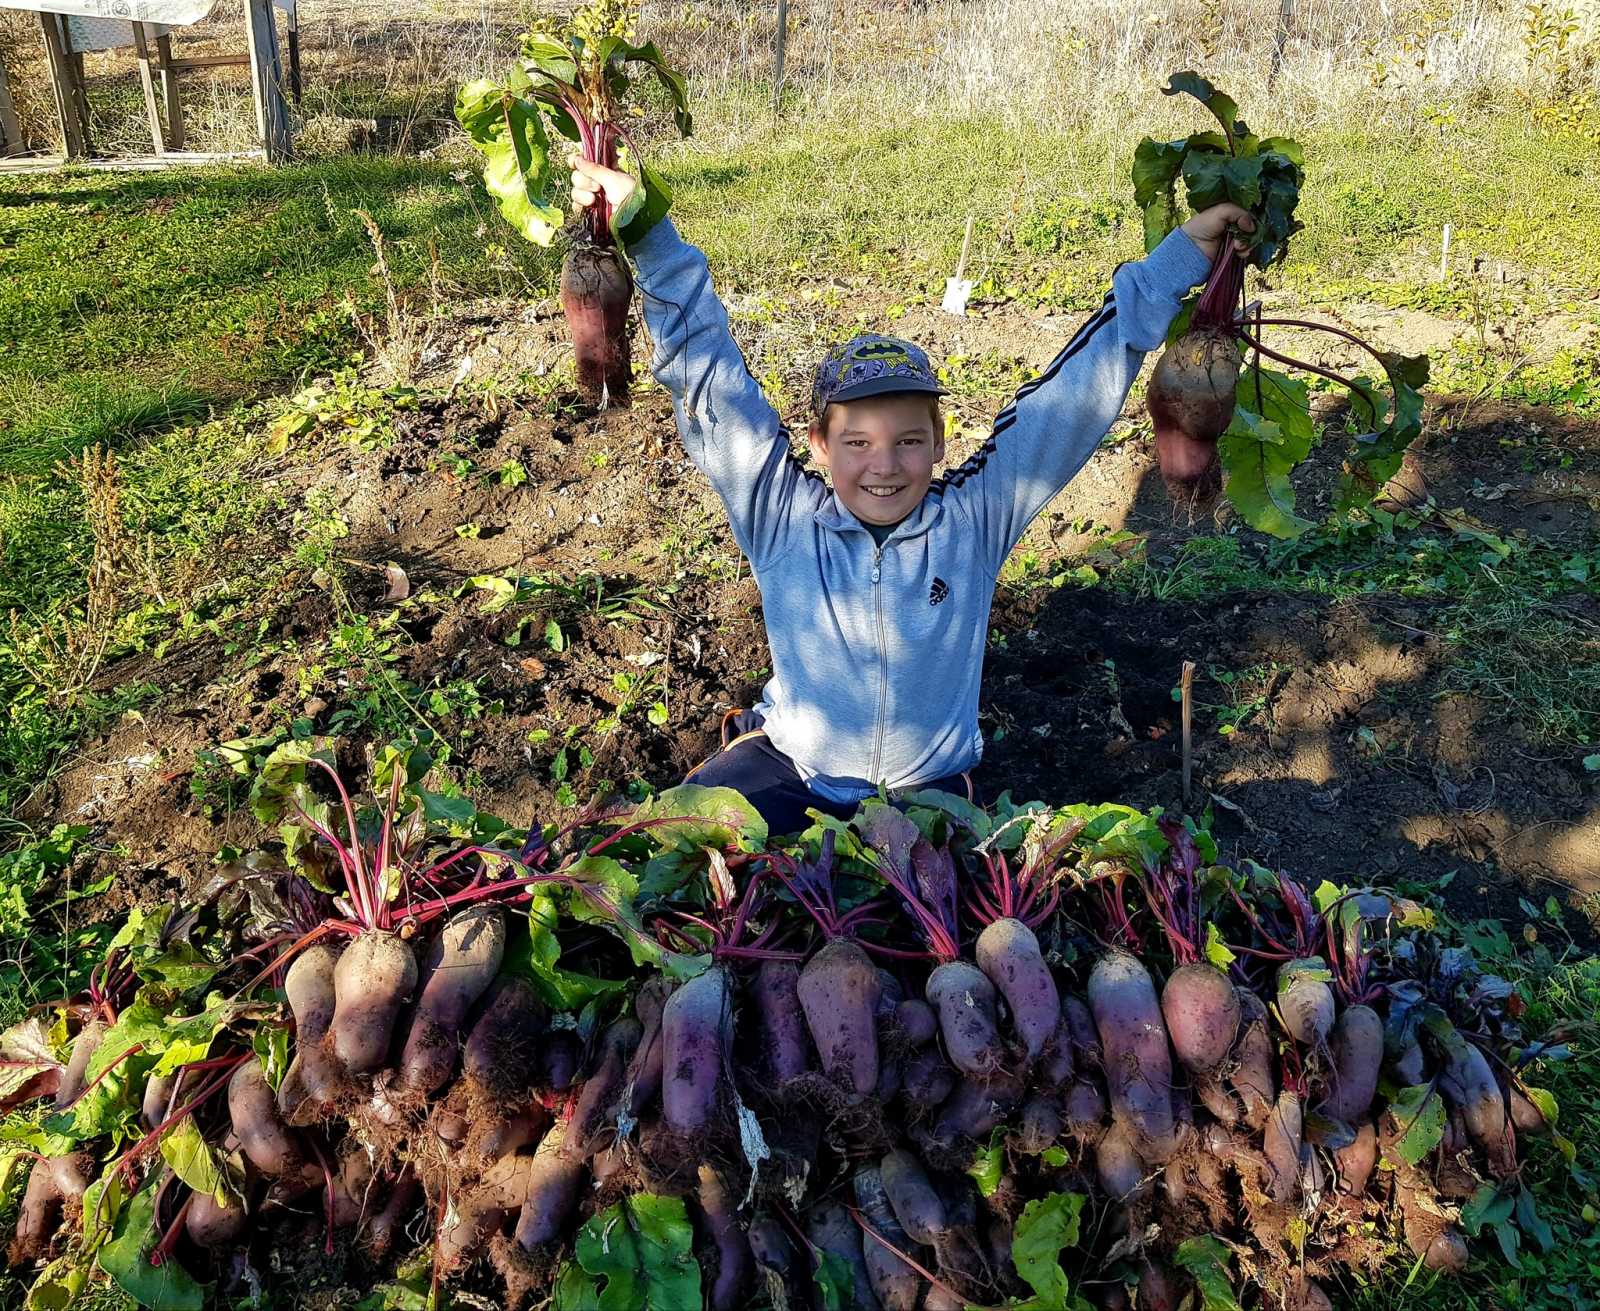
x,y
671,1161
795,1138
616,1174
52,1204
502,1054
476,1213
315,1087
843,1116
527,1275
388,1119
388,1223
1426,1222
1194,1196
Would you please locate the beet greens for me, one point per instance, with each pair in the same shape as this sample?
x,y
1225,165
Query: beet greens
x,y
573,79
1212,413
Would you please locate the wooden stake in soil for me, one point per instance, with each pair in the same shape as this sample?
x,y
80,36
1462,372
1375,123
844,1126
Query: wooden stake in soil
x,y
780,39
1280,39
1185,683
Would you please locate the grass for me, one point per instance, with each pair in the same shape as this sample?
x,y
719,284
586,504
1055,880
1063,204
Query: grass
x,y
1536,660
871,205
185,289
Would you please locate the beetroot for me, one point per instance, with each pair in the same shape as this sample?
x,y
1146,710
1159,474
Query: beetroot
x,y
1190,398
838,990
1138,1063
694,1032
462,963
84,1047
1355,1049
1201,1010
505,1039
1305,1001
735,1265
596,290
55,1192
1251,1077
1281,1146
314,1077
964,999
1469,1083
371,980
784,1047
1008,952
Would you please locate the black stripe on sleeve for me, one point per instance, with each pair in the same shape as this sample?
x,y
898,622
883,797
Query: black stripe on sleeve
x,y
1008,416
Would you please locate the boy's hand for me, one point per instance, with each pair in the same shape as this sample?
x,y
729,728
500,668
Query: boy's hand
x,y
1207,228
589,181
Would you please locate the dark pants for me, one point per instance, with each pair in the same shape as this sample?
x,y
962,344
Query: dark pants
x,y
766,778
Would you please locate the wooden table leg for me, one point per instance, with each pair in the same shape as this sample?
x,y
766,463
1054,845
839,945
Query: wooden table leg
x,y
176,133
64,84
147,83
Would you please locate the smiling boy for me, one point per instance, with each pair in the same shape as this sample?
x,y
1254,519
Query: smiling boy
x,y
876,590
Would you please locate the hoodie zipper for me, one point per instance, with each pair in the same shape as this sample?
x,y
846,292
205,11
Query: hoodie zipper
x,y
883,662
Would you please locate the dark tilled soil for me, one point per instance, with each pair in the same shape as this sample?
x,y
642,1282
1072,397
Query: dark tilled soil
x,y
1360,764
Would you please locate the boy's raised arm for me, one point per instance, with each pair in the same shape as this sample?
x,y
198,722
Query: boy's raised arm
x,y
731,432
1052,427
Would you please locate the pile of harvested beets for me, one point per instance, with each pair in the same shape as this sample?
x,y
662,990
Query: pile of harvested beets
x,y
937,1057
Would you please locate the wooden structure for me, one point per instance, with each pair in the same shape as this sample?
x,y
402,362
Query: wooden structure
x,y
11,142
160,70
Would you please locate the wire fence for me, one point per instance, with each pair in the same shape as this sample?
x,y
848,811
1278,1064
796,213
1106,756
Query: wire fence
x,y
374,75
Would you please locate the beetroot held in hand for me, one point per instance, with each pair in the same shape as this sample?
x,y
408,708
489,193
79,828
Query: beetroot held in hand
x,y
596,291
1190,398
579,86
1201,415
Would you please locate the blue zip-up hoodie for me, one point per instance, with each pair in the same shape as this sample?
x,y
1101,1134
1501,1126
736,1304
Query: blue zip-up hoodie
x,y
877,652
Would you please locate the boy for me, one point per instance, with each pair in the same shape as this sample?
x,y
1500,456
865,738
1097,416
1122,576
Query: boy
x,y
877,591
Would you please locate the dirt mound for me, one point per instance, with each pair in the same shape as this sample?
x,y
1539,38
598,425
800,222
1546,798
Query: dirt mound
x,y
637,626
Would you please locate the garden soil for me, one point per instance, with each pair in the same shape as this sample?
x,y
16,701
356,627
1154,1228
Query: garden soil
x,y
1356,761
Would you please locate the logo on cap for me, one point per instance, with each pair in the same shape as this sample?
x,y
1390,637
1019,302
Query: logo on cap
x,y
885,352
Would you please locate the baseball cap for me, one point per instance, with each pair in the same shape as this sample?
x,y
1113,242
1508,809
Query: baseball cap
x,y
871,365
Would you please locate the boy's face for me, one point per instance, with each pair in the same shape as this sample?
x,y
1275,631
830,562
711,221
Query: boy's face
x,y
881,452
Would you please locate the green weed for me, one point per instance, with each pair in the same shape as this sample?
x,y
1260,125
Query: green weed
x,y
1535,662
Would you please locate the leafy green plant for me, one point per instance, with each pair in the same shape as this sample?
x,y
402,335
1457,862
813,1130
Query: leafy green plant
x,y
1270,430
344,405
575,79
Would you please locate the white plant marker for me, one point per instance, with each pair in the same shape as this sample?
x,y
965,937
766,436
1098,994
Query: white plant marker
x,y
958,288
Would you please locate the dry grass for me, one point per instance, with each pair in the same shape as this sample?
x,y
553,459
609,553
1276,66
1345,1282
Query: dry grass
x,y
65,656
1085,66
1080,66
399,342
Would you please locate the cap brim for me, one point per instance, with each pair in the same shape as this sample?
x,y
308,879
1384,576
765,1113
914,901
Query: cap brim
x,y
859,391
